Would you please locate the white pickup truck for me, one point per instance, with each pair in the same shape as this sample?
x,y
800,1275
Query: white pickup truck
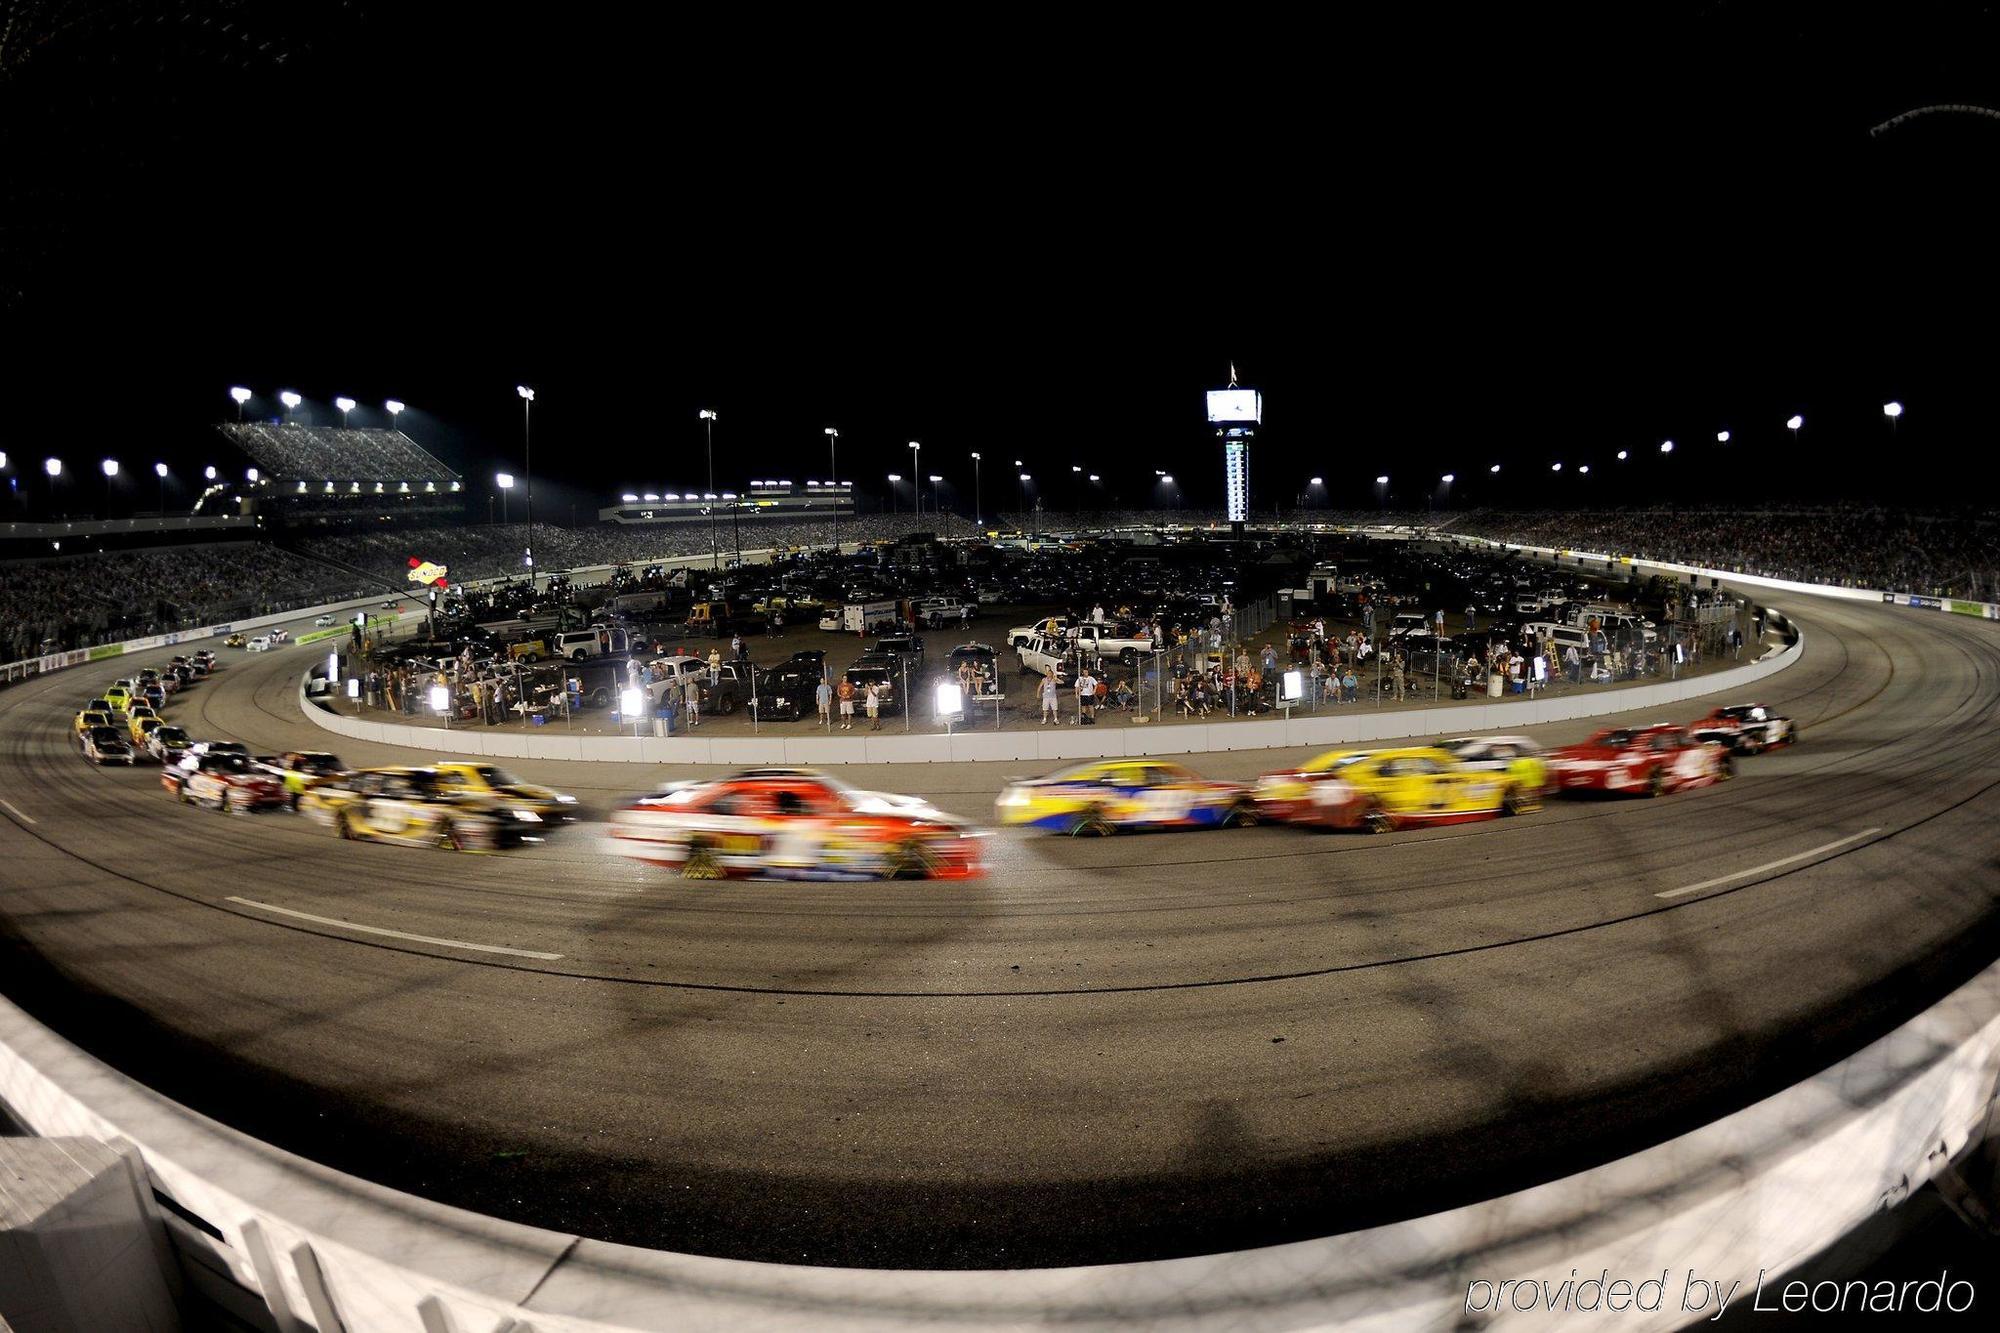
x,y
1054,627
1109,641
1043,656
860,618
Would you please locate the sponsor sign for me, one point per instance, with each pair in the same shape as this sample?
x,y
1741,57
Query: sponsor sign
x,y
1928,603
103,651
426,572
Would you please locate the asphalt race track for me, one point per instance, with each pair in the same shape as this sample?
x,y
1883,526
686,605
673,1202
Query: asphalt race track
x,y
1105,1050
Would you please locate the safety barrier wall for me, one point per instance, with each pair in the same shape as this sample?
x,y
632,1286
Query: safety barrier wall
x,y
1349,726
1616,564
1762,1189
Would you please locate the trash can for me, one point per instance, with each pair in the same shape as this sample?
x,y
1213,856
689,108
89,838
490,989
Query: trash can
x,y
1494,686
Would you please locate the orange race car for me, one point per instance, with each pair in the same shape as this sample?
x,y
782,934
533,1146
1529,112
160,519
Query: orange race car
x,y
785,823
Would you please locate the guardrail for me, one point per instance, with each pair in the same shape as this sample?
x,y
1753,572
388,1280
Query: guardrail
x,y
1753,1193
1043,744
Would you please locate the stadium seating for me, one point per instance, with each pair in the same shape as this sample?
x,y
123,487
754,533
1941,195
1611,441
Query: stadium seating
x,y
330,453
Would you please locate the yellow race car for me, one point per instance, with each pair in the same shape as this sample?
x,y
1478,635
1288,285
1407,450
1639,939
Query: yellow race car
x,y
119,696
88,718
142,729
1106,795
408,806
1379,790
504,787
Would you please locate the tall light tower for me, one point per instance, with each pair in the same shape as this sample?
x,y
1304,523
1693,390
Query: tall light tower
x,y
345,405
708,428
505,481
160,471
528,472
976,521
242,396
833,481
291,401
917,472
894,477
395,411
1236,414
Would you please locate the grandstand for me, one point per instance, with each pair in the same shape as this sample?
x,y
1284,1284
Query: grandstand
x,y
321,454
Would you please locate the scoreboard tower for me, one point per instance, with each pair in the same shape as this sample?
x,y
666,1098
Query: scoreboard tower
x,y
1235,414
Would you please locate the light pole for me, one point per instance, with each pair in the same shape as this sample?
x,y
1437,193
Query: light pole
x,y
291,401
505,480
395,410
833,480
937,503
1076,486
1892,410
242,396
528,472
345,405
1792,424
976,520
708,429
1025,479
160,471
110,471
894,477
917,477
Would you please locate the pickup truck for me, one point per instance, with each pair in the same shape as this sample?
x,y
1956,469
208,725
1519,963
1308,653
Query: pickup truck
x,y
940,612
1110,641
1043,656
1053,627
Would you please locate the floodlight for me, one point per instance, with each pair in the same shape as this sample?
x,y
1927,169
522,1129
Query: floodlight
x,y
344,404
628,499
1892,409
897,476
1449,478
290,399
250,475
1555,467
52,466
1496,466
950,700
505,480
1295,686
208,472
708,415
631,702
1722,437
159,469
1382,481
1793,422
1666,446
1584,468
110,467
1622,456
394,407
525,392
353,687
241,395
440,698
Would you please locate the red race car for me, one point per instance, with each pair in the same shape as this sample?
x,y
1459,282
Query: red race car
x,y
781,823
1651,760
223,780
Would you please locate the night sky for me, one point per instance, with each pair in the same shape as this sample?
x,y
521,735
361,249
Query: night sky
x,y
1433,247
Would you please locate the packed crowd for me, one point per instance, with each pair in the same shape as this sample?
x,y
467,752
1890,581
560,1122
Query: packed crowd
x,y
483,551
334,453
1954,555
80,600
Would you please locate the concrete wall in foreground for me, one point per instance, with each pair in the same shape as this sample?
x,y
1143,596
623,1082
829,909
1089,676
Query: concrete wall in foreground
x,y
1762,1189
1349,726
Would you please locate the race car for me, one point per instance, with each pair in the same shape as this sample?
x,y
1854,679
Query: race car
x,y
410,808
222,780
168,744
139,710
1518,758
277,636
1745,728
89,720
1380,790
119,696
234,641
1651,760
508,790
106,745
140,731
1106,795
299,771
322,622
784,823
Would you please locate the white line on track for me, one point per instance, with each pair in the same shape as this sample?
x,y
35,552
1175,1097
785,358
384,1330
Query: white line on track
x,y
395,934
15,810
1768,865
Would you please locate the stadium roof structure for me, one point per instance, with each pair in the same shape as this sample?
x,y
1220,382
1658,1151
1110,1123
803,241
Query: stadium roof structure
x,y
335,453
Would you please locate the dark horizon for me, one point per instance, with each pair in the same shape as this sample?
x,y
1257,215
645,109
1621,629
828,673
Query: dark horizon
x,y
1428,267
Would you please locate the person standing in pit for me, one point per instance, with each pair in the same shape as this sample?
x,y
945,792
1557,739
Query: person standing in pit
x,y
1049,713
